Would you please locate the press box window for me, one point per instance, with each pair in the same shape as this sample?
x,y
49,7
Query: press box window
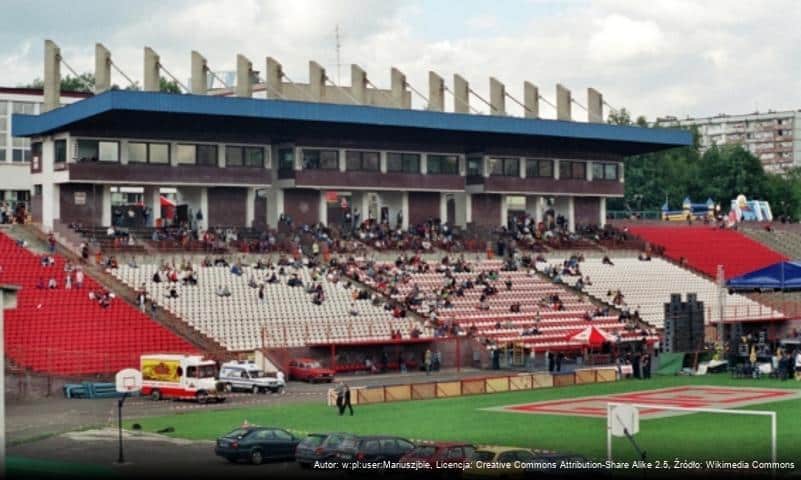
x,y
443,164
403,162
320,159
158,153
363,161
572,170
604,171
539,167
506,167
206,155
244,157
60,151
94,151
286,159
186,154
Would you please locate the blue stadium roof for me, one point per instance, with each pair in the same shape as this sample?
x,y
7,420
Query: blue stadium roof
x,y
281,110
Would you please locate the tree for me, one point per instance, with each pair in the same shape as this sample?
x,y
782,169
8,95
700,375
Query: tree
x,y
84,82
168,86
619,117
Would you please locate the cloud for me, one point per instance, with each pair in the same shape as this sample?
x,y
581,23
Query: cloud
x,y
656,57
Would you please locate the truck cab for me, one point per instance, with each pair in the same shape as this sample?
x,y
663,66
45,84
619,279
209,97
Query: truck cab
x,y
182,377
246,376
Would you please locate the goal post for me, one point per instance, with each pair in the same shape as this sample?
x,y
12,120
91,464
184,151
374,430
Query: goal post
x,y
615,424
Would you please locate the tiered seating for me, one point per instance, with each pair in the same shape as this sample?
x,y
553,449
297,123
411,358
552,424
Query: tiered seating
x,y
647,286
288,316
706,248
555,326
62,332
787,242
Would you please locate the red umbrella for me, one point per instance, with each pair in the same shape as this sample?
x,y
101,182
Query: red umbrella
x,y
591,336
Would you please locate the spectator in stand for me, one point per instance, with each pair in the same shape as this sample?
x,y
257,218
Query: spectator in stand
x,y
508,283
607,260
52,284
173,293
515,307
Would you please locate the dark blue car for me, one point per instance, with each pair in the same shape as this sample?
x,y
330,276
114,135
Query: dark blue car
x,y
257,444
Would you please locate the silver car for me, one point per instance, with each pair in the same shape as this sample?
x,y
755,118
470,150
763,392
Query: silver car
x,y
247,377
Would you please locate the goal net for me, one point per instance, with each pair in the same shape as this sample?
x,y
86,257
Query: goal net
x,y
668,433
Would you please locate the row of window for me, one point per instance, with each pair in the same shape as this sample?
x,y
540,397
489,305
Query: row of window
x,y
370,161
159,153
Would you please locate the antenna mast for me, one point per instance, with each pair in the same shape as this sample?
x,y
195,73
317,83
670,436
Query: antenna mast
x,y
339,58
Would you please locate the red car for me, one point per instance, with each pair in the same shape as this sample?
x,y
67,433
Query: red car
x,y
310,371
441,454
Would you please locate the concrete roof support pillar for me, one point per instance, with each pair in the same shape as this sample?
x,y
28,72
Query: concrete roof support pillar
x,y
461,94
595,106
436,92
398,87
497,97
52,76
563,102
102,68
274,78
358,84
316,81
151,71
531,99
244,77
200,70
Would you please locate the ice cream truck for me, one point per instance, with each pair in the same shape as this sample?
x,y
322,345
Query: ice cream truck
x,y
181,377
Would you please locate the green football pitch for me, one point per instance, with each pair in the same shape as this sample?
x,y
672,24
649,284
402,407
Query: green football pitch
x,y
691,436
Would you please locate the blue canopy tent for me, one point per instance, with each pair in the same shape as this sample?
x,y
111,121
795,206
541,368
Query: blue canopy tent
x,y
779,276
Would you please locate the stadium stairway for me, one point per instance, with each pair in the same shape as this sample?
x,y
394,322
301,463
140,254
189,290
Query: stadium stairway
x,y
704,248
783,241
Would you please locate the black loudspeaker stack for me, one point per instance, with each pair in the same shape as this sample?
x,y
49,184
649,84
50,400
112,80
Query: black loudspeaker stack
x,y
684,324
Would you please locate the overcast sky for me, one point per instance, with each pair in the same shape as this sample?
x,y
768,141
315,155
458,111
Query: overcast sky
x,y
655,57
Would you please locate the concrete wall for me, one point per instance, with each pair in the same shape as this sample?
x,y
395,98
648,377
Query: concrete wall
x,y
227,206
486,209
88,213
423,206
302,205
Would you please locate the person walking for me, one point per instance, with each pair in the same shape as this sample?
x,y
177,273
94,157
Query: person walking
x,y
427,361
347,403
550,362
559,357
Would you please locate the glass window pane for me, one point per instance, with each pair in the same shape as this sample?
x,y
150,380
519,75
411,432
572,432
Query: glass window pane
x,y
207,155
254,157
60,153
87,151
371,161
411,163
109,151
137,152
311,159
353,160
394,162
3,142
610,170
186,154
159,153
497,166
511,167
597,171
16,155
451,165
329,160
434,164
23,107
3,108
579,171
546,168
3,124
2,154
234,157
286,159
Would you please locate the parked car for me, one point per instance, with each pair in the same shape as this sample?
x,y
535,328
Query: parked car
x,y
309,370
248,377
324,451
503,456
441,452
373,449
257,444
305,452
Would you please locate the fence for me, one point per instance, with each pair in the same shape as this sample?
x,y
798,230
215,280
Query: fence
x,y
476,386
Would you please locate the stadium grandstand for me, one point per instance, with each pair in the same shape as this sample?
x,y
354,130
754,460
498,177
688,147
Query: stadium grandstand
x,y
323,217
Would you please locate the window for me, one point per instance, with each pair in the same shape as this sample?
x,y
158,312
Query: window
x,y
403,162
18,155
60,152
286,159
505,167
254,157
572,170
137,152
94,150
320,159
234,157
3,108
2,154
282,435
3,124
23,107
186,154
37,190
604,171
539,167
475,166
363,161
207,155
443,164
158,153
